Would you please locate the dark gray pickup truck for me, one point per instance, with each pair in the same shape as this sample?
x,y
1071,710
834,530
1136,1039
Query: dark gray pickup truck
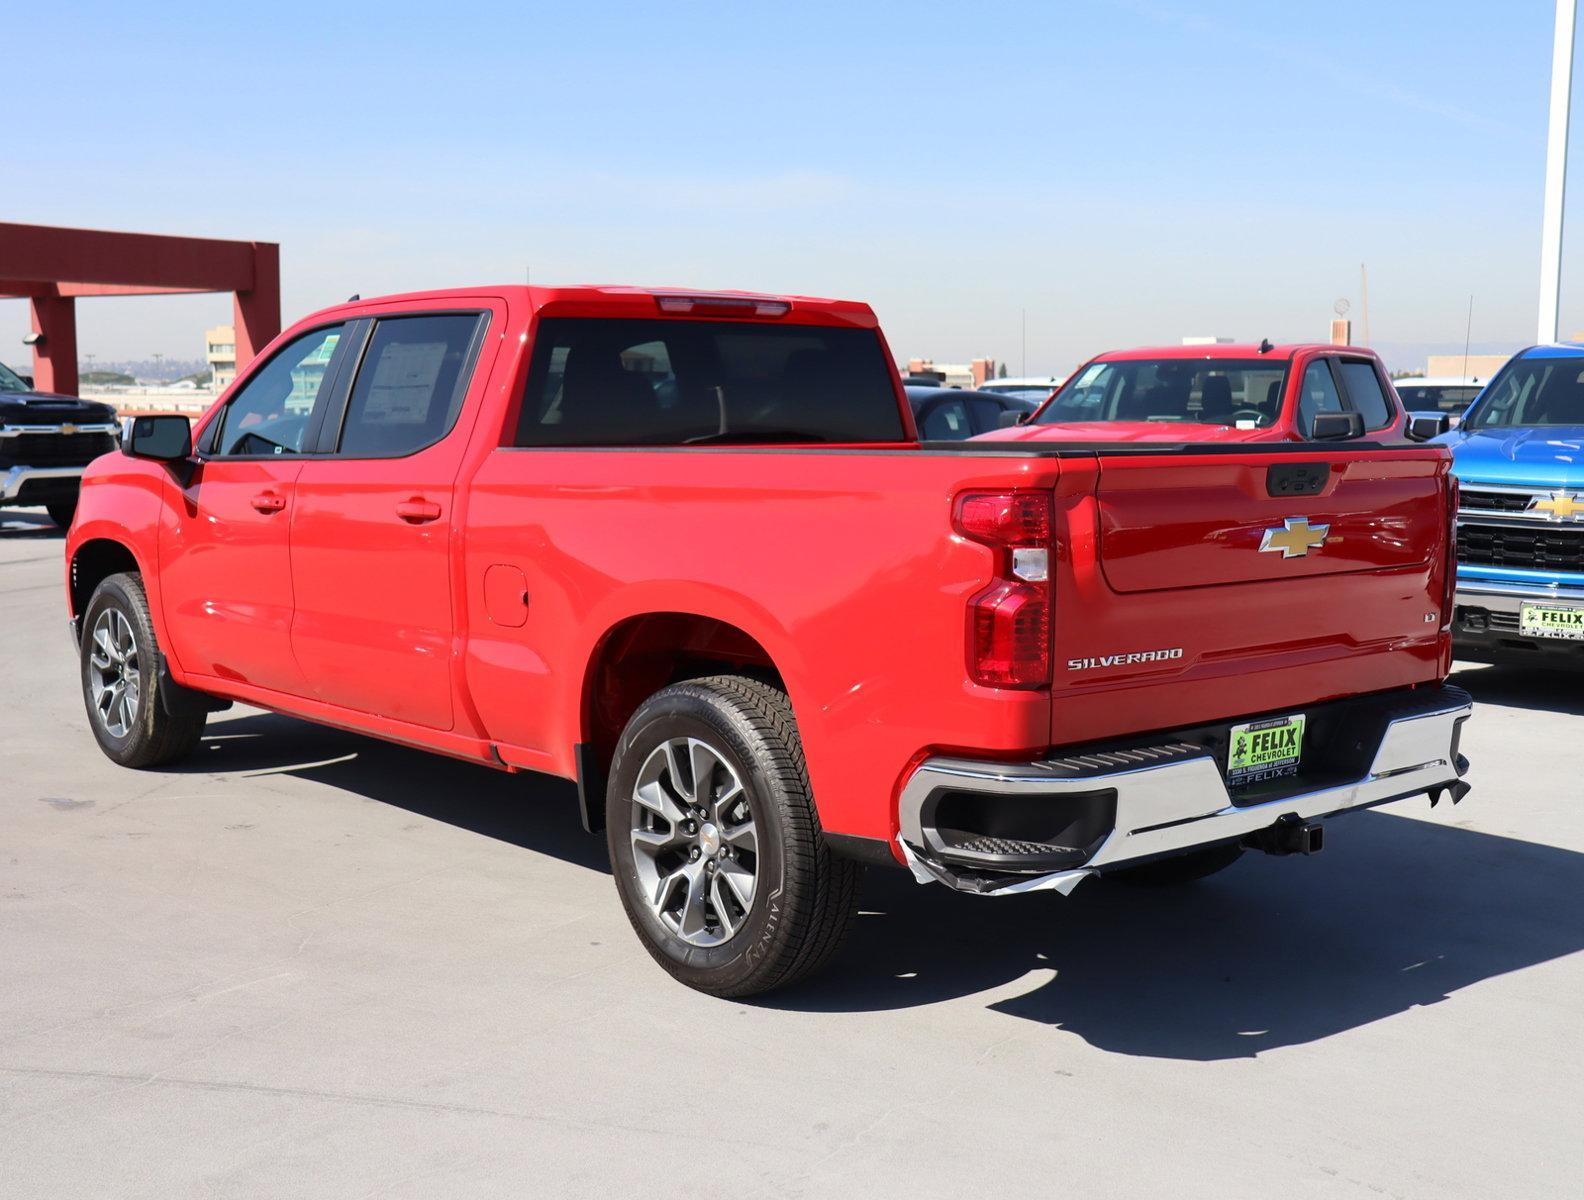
x,y
45,442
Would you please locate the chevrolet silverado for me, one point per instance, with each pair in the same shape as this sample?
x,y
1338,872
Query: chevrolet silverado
x,y
45,442
686,549
1519,455
1221,393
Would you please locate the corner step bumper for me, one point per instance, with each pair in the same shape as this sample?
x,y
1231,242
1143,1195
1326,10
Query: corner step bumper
x,y
961,819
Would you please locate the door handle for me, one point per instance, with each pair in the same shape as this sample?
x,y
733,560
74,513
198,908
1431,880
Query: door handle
x,y
268,502
418,510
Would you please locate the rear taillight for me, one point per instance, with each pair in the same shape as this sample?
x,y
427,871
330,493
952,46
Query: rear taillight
x,y
1009,622
1449,587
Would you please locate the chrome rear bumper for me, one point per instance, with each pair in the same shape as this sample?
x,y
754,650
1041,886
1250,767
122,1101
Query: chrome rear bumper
x,y
1168,799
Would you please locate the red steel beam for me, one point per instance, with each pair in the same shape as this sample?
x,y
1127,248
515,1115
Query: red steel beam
x,y
85,256
14,289
53,266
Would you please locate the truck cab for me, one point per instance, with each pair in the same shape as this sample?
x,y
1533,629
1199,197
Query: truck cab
x,y
1223,393
1519,458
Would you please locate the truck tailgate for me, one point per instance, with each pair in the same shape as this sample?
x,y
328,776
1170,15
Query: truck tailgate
x,y
1198,586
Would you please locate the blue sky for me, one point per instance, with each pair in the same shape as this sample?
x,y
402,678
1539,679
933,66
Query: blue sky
x,y
1124,173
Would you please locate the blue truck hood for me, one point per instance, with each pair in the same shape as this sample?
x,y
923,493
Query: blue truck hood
x,y
1549,457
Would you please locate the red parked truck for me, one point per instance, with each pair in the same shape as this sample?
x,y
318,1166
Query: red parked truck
x,y
685,549
1223,393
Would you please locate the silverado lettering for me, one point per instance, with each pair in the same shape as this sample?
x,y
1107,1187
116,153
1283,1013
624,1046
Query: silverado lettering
x,y
1119,660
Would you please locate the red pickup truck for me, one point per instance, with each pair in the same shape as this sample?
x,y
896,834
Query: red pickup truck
x,y
685,549
1223,393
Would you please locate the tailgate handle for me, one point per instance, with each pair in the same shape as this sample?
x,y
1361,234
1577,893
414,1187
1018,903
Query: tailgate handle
x,y
1296,479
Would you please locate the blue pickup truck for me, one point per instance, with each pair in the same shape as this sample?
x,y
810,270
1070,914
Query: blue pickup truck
x,y
1519,457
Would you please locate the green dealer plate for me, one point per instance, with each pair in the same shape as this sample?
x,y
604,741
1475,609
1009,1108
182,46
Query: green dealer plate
x,y
1264,750
1552,621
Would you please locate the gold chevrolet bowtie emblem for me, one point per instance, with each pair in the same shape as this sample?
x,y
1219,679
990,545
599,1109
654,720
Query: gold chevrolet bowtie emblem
x,y
1561,506
1295,538
68,428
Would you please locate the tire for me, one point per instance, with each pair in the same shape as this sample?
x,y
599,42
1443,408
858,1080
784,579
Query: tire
x,y
62,512
724,754
1182,868
143,724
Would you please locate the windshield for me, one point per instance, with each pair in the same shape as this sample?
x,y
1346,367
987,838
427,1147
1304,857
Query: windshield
x,y
10,381
1533,392
1443,397
1190,391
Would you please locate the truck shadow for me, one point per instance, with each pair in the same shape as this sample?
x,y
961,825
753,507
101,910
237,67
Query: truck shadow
x,y
1397,913
1524,687
536,812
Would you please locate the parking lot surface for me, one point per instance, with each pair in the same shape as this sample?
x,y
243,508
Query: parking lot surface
x,y
307,963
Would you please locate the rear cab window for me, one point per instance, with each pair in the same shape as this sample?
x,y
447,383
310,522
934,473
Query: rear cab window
x,y
671,382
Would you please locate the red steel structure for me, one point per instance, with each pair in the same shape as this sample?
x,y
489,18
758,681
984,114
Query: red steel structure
x,y
53,266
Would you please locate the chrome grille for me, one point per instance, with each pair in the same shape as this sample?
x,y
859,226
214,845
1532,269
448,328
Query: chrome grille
x,y
1484,500
1532,547
56,449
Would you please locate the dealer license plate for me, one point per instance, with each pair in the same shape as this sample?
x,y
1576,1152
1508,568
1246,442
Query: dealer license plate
x,y
1264,750
1552,621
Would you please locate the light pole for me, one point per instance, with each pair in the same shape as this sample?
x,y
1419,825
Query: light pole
x,y
1556,170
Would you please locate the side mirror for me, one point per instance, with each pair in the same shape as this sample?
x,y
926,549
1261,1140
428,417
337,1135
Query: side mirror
x,y
1424,426
163,439
1337,426
1010,418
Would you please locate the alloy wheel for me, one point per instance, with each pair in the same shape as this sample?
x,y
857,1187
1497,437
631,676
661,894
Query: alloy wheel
x,y
115,675
695,843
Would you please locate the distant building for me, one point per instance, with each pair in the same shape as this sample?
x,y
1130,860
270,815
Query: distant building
x,y
961,375
1207,341
1478,366
220,352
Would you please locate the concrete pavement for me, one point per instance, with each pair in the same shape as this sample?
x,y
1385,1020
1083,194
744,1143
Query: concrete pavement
x,y
310,964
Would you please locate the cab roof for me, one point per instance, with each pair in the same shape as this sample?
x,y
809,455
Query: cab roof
x,y
617,300
1283,353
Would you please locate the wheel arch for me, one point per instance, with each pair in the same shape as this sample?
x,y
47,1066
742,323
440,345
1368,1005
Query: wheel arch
x,y
644,652
94,560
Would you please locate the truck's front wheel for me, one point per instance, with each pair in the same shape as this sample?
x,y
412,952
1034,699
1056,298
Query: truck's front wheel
x,y
715,843
134,720
62,512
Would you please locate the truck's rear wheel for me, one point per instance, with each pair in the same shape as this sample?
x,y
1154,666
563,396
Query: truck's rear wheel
x,y
133,723
1182,868
715,843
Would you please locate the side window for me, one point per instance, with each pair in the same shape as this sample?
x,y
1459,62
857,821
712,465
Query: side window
x,y
410,387
272,412
945,421
1319,395
1364,390
987,413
